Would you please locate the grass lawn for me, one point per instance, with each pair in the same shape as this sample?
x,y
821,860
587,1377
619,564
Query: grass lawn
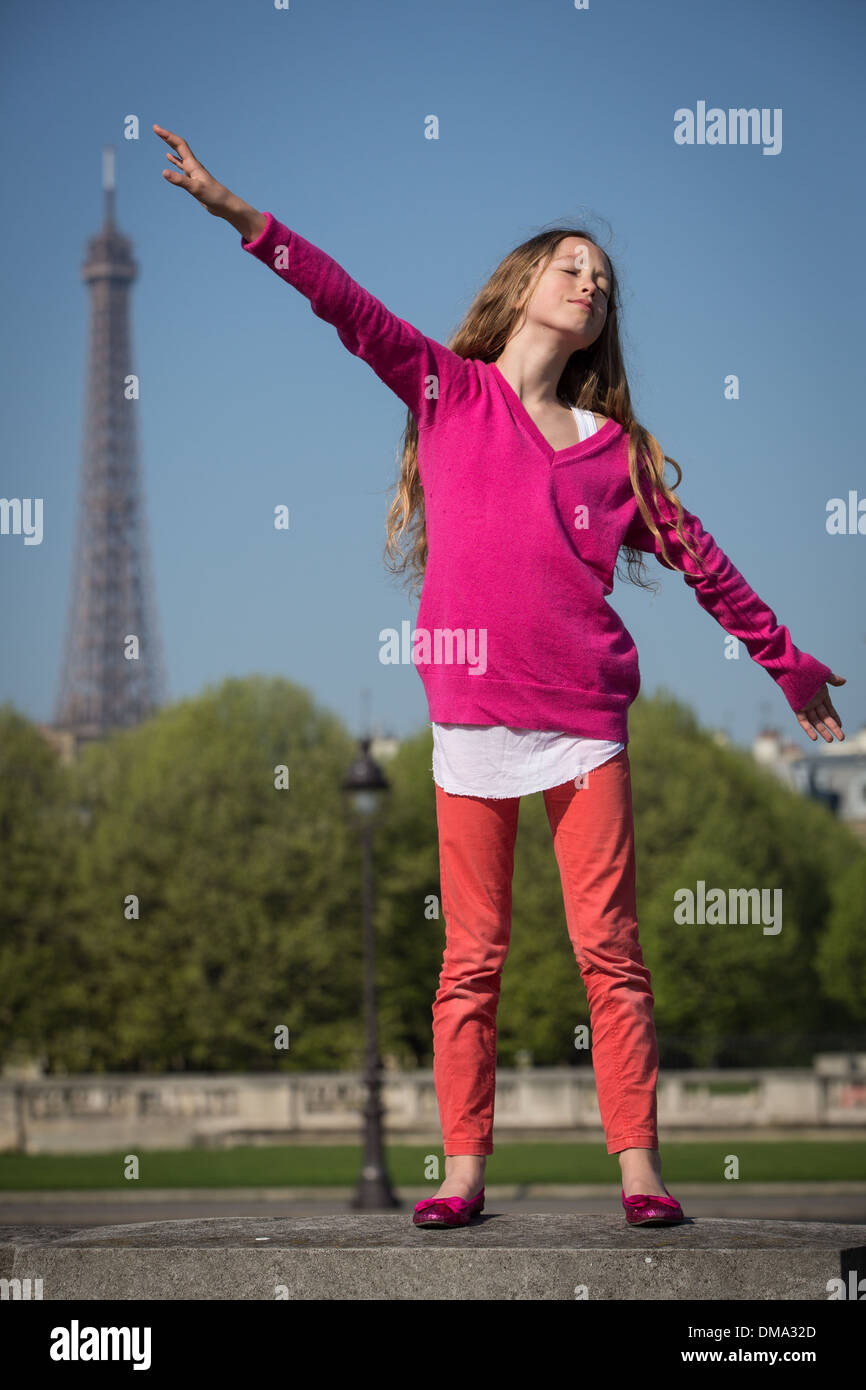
x,y
338,1165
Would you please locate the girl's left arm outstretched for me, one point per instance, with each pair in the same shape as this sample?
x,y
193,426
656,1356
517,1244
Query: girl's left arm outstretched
x,y
725,594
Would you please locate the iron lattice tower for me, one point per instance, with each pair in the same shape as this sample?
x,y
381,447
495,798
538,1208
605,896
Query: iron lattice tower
x,y
111,600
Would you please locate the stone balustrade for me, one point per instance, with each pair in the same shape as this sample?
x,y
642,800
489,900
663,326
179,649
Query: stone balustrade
x,y
95,1113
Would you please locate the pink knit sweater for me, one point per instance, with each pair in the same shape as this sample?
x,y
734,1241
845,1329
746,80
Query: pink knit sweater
x,y
514,626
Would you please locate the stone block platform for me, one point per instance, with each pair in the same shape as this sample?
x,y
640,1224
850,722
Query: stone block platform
x,y
526,1256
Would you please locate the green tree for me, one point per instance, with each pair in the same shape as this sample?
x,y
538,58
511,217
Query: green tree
x,y
247,893
841,956
249,898
36,833
701,812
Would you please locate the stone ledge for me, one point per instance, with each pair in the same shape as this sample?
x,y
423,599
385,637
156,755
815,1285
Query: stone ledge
x,y
134,1193
384,1257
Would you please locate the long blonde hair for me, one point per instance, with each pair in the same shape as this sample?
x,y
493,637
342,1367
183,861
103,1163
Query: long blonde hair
x,y
593,379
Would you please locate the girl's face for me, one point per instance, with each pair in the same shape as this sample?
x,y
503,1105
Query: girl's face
x,y
571,293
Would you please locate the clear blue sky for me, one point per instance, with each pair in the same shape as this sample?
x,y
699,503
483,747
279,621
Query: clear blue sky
x,y
731,261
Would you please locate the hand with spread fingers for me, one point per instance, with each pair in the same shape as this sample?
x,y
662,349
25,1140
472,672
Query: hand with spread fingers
x,y
189,173
820,714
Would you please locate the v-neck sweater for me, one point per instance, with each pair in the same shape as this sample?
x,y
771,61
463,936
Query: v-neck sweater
x,y
514,626
495,761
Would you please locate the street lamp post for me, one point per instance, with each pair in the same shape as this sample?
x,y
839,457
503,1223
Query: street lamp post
x,y
365,784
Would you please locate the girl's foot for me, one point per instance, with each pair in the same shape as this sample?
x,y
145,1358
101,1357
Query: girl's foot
x,y
642,1173
464,1176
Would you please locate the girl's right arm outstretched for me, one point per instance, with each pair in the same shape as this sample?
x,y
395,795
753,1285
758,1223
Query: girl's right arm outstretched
x,y
427,376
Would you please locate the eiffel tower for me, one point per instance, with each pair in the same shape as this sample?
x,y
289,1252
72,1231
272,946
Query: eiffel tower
x,y
112,676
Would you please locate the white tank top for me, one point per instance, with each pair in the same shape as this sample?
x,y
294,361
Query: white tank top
x,y
498,761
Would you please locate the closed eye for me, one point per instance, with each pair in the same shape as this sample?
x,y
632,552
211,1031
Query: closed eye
x,y
574,272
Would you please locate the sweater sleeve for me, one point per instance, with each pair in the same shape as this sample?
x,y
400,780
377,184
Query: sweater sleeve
x,y
725,594
427,376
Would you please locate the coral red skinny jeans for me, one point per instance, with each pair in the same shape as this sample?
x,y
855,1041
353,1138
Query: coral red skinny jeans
x,y
593,839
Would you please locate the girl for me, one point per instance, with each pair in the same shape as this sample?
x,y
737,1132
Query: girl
x,y
524,472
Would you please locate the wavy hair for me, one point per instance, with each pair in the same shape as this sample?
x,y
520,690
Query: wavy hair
x,y
593,379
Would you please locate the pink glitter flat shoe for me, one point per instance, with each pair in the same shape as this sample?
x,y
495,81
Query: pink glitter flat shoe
x,y
447,1211
643,1210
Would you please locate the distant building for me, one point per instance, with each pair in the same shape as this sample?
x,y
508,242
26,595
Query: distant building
x,y
832,773
64,741
383,747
